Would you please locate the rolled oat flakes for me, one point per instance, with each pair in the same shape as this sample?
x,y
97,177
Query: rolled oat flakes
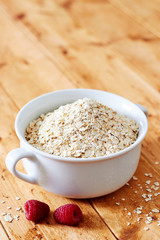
x,y
85,128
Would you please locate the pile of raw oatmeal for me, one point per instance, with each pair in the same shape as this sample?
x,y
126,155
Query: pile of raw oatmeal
x,y
82,129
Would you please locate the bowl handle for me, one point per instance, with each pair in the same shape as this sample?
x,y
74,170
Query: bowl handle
x,y
12,159
143,109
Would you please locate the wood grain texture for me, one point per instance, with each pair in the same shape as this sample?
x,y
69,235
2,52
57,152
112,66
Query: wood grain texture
x,y
12,188
146,13
83,29
3,234
49,45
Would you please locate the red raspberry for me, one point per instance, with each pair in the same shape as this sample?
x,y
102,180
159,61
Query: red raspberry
x,y
35,210
69,214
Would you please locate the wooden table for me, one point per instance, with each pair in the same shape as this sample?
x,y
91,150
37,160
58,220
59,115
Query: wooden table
x,y
111,45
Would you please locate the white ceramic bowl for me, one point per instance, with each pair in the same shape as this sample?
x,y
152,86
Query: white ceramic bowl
x,y
76,177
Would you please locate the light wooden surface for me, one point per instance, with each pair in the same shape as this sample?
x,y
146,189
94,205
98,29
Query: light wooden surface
x,y
110,45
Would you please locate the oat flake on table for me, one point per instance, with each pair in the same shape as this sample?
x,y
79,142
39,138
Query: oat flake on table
x,y
85,128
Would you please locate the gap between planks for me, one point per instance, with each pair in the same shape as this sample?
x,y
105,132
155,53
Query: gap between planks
x,y
90,201
3,233
124,11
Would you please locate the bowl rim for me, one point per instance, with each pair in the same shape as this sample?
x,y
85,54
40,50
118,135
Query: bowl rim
x,y
73,159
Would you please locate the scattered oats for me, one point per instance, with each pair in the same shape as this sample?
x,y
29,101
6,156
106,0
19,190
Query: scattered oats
x,y
129,214
8,207
18,209
17,198
127,184
148,181
146,228
125,209
128,223
156,183
84,128
135,191
123,199
149,219
139,212
154,187
141,187
155,210
135,178
16,217
3,201
150,175
4,213
8,218
144,195
156,163
138,219
156,194
148,199
147,222
148,190
117,203
158,223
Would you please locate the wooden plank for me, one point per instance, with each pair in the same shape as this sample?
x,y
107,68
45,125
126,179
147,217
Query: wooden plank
x,y
142,57
3,234
119,209
138,47
83,28
78,65
145,12
21,61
